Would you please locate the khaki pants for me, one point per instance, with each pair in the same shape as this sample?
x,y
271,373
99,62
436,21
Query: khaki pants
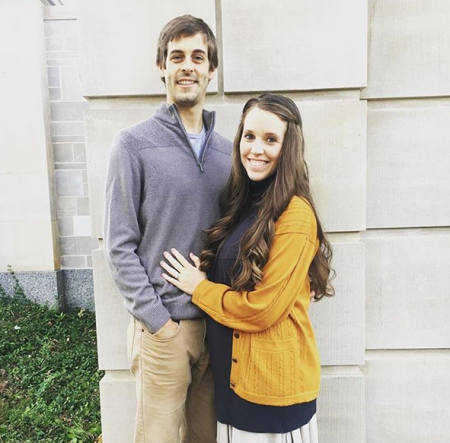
x,y
174,385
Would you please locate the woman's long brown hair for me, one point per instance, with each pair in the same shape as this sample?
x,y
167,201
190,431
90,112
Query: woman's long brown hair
x,y
291,179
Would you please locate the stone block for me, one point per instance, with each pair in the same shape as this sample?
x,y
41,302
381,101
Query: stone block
x,y
62,152
54,94
28,245
73,261
118,406
70,82
123,63
68,111
68,138
67,245
85,245
53,76
65,226
44,287
407,296
66,203
335,134
67,213
54,43
67,128
339,321
61,28
340,406
25,196
407,396
294,45
408,159
79,287
68,183
79,166
112,318
409,49
82,226
83,205
79,152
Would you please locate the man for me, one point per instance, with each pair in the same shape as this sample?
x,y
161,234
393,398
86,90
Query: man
x,y
165,175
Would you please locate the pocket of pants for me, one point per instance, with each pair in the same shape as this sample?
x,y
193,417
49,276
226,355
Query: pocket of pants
x,y
165,339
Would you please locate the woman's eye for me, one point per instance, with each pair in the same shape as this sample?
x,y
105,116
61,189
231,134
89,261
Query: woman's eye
x,y
248,136
271,140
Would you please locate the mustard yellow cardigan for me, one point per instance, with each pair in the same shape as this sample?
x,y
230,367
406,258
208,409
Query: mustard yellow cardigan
x,y
274,358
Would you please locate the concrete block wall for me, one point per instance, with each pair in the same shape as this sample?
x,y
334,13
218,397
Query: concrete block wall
x,y
67,105
374,99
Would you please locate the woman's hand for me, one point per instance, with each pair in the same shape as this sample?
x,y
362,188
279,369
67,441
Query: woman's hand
x,y
181,273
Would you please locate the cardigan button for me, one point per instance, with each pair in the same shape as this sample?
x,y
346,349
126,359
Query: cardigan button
x,y
234,360
236,335
232,385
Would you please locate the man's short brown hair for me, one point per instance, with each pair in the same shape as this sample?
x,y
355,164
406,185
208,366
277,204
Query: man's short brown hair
x,y
186,26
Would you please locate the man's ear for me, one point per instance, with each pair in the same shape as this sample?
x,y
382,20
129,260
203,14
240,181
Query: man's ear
x,y
212,74
161,71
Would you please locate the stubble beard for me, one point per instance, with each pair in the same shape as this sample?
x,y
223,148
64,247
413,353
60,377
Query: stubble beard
x,y
191,98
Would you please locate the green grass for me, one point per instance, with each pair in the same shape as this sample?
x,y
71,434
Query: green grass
x,y
48,374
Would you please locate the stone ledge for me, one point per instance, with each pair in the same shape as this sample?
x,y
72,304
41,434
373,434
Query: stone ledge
x,y
70,288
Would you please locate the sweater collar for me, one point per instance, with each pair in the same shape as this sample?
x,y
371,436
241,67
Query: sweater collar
x,y
257,188
169,114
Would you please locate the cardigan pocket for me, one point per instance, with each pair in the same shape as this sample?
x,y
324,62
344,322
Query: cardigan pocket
x,y
273,368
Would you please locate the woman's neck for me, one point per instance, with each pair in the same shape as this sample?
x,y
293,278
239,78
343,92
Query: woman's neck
x,y
257,188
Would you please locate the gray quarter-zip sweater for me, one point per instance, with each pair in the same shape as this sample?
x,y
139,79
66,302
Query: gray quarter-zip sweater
x,y
159,195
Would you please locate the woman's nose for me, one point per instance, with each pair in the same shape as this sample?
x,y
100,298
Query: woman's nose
x,y
257,148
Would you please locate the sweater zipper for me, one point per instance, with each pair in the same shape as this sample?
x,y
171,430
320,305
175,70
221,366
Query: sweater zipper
x,y
183,130
208,136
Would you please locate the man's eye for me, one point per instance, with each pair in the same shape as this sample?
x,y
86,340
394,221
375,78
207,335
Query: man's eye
x,y
198,58
176,57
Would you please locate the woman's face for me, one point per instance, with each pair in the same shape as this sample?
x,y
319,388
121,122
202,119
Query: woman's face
x,y
261,142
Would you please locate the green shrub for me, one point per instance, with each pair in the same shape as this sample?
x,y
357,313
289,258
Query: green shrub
x,y
49,382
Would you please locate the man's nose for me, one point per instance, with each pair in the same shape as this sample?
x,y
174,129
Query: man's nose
x,y
187,66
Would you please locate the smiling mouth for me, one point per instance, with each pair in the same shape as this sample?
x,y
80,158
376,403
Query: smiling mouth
x,y
186,82
257,162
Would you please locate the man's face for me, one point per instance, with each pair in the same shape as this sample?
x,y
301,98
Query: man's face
x,y
187,71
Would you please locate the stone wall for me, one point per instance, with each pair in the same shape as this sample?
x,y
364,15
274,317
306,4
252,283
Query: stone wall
x,y
68,140
372,80
45,232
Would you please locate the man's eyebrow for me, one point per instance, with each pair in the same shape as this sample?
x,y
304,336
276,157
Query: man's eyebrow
x,y
199,51
176,51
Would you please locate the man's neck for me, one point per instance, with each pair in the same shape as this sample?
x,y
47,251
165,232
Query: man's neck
x,y
192,118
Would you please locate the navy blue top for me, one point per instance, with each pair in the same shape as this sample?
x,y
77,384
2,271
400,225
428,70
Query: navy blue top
x,y
230,408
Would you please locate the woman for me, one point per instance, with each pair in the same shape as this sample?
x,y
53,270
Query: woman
x,y
263,258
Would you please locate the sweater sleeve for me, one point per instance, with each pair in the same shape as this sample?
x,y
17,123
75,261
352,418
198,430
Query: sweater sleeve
x,y
285,274
123,235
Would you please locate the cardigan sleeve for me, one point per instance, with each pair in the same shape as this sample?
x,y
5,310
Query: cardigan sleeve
x,y
285,274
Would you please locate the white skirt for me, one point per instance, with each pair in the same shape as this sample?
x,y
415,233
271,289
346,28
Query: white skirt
x,y
306,434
